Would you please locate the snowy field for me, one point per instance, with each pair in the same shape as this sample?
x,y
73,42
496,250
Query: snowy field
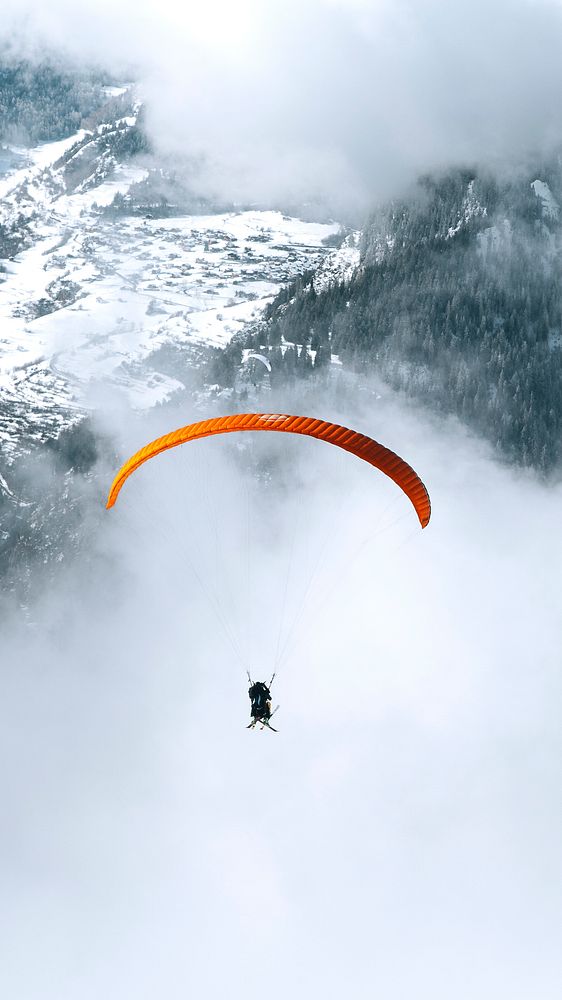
x,y
92,297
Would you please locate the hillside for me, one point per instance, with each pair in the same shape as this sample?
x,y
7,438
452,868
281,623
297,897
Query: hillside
x,y
456,301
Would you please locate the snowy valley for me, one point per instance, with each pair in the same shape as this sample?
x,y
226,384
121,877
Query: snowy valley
x,y
93,297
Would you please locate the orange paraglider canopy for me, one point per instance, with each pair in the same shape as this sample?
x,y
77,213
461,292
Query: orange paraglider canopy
x,y
358,444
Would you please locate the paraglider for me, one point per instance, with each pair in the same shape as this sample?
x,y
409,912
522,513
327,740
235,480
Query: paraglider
x,y
260,703
363,447
260,357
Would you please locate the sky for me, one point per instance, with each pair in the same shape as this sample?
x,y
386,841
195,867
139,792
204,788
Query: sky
x,y
338,102
400,835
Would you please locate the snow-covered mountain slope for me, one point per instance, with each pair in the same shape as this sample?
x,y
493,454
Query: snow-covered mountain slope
x,y
550,207
94,295
339,266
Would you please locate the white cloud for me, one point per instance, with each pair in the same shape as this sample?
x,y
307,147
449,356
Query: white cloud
x,y
364,94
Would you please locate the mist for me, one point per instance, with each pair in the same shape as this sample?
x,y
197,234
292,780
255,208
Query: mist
x,y
402,829
327,103
400,835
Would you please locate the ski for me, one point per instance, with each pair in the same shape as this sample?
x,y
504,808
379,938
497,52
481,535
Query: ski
x,y
264,722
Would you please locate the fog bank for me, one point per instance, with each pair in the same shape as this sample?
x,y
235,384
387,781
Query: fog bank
x,y
407,816
327,102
